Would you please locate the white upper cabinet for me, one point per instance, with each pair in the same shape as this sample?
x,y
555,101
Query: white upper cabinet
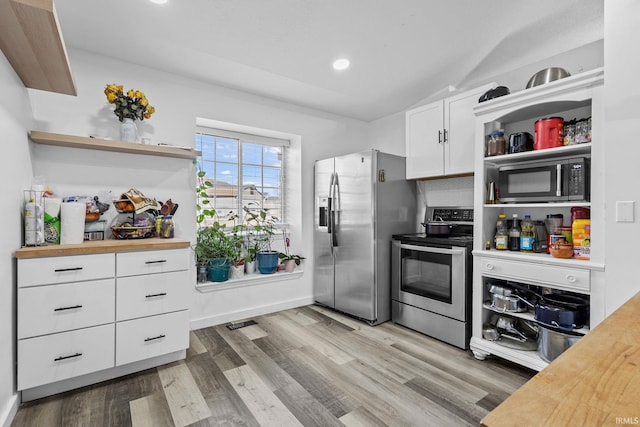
x,y
440,136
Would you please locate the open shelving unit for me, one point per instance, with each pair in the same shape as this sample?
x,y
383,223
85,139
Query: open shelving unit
x,y
573,97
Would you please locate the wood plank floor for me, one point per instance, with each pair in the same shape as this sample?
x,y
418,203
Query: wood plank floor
x,y
307,366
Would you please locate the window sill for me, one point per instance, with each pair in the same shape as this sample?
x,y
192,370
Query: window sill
x,y
248,280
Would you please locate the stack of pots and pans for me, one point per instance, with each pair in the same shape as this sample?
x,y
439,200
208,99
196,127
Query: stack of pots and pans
x,y
508,331
558,315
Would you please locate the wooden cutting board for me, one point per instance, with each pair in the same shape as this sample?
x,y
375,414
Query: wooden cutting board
x,y
596,382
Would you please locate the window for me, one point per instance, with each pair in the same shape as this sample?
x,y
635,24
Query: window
x,y
245,171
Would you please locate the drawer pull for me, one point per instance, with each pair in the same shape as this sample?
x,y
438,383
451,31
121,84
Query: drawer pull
x,y
57,359
571,278
68,308
161,294
160,261
489,266
154,338
61,270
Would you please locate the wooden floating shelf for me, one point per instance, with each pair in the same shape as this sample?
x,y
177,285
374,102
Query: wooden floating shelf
x,y
31,40
71,141
101,246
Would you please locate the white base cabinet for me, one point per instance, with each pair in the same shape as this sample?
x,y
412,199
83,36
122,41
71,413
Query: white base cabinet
x,y
87,314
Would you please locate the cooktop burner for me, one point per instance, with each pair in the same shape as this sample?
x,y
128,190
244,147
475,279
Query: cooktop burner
x,y
460,219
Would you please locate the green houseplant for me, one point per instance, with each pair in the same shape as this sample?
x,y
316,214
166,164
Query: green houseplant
x,y
216,250
287,258
263,225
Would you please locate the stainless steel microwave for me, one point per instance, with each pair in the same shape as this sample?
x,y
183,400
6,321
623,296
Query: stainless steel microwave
x,y
559,180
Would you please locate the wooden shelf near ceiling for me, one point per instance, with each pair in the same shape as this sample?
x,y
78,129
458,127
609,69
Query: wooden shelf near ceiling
x,y
71,141
31,40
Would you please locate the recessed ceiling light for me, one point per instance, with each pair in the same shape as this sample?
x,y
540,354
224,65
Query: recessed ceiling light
x,y
341,64
159,1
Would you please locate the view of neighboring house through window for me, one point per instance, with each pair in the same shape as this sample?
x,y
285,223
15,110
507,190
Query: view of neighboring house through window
x,y
244,173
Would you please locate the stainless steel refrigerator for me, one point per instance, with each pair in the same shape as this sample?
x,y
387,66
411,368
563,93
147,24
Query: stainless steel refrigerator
x,y
361,200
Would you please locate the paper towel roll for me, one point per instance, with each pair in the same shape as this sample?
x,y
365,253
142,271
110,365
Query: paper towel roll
x,y
72,223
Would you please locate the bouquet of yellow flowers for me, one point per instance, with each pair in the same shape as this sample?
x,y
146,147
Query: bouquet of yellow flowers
x,y
134,105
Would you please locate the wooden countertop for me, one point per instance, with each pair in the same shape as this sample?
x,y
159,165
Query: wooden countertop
x,y
594,383
101,246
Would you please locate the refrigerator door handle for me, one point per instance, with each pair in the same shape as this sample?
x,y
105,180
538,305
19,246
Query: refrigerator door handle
x,y
335,188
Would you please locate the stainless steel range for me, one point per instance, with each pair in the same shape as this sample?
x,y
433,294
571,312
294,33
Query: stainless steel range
x,y
431,278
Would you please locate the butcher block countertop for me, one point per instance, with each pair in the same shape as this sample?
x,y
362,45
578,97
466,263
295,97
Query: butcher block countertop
x,y
101,246
594,383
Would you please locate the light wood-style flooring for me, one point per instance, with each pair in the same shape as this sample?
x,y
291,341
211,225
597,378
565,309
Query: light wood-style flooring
x,y
306,366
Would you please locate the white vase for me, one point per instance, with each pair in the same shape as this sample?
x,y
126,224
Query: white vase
x,y
128,131
250,267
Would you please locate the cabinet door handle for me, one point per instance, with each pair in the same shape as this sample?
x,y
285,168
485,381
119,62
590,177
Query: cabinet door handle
x,y
60,270
57,359
154,338
439,137
571,278
72,307
489,266
160,261
445,136
161,294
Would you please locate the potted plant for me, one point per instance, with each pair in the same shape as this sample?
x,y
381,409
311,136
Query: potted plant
x,y
263,224
287,258
217,249
237,238
251,247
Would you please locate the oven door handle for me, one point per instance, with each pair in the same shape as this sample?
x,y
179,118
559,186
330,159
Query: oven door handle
x,y
431,249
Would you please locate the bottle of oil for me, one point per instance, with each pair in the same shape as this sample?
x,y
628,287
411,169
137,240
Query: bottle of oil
x,y
514,235
502,234
527,234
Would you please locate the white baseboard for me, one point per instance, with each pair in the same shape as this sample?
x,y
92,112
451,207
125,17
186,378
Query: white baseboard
x,y
9,411
218,319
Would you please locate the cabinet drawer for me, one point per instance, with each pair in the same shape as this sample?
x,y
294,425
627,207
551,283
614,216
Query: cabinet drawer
x,y
64,269
140,296
151,336
162,261
557,277
56,357
57,308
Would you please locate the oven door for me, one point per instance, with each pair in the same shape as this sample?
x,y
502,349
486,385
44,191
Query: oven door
x,y
430,278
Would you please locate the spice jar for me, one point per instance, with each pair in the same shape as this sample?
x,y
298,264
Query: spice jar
x,y
497,144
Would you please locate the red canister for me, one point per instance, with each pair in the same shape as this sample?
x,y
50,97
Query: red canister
x,y
578,212
548,133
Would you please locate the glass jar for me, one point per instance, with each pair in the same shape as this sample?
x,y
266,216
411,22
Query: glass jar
x,y
166,227
583,131
569,132
497,144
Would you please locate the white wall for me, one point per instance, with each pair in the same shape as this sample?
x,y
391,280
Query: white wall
x,y
178,102
15,176
622,121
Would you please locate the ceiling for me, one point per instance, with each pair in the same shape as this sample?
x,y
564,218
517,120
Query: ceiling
x,y
401,51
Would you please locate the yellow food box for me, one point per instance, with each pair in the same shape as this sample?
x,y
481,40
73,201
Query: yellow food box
x,y
581,230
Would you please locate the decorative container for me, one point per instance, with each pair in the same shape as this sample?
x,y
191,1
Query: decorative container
x,y
218,270
267,262
128,130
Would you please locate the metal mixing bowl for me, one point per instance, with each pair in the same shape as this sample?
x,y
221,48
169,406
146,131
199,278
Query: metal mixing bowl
x,y
547,75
